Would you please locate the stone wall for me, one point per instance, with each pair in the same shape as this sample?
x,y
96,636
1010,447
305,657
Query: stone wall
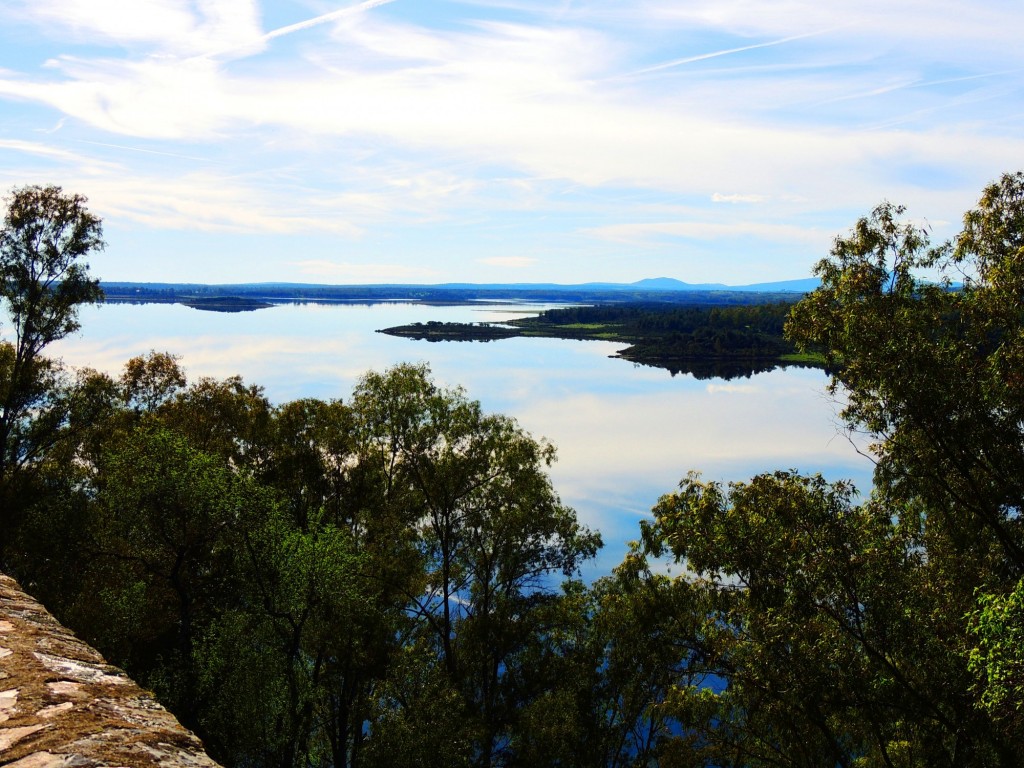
x,y
63,706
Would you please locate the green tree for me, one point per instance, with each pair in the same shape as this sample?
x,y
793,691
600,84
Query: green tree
x,y
605,665
266,664
834,637
493,537
226,418
932,373
44,533
997,626
151,380
45,237
43,280
164,531
327,483
880,633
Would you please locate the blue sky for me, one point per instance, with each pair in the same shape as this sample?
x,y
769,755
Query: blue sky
x,y
506,140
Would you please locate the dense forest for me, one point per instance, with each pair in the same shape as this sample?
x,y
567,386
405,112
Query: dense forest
x,y
392,580
683,339
702,339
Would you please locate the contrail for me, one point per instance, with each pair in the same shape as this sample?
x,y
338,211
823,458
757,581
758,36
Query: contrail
x,y
148,151
716,54
351,10
339,14
909,84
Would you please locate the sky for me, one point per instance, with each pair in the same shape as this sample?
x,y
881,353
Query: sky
x,y
407,141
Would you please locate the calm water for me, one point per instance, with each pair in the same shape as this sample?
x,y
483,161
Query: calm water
x,y
625,434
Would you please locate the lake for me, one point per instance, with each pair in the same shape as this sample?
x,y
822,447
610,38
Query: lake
x,y
625,433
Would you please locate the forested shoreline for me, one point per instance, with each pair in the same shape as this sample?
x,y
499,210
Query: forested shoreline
x,y
722,333
393,580
704,340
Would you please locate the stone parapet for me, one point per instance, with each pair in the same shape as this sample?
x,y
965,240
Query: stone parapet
x,y
63,706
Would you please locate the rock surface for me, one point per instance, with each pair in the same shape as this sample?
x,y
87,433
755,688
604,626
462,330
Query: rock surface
x,y
63,706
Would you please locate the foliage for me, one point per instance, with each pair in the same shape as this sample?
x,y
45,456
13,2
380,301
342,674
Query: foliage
x,y
997,625
879,633
931,373
393,580
43,280
835,639
704,339
371,560
491,535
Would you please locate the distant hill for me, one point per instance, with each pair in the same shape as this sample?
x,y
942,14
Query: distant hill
x,y
238,297
804,285
649,284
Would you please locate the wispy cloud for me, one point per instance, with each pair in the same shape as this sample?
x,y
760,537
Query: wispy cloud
x,y
37,148
127,148
488,129
718,197
363,273
325,18
159,27
513,262
208,202
711,231
728,52
260,41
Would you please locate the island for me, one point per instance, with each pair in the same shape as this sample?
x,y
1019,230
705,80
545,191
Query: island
x,y
702,340
706,330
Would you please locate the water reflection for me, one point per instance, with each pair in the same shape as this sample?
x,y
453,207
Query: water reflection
x,y
718,369
625,433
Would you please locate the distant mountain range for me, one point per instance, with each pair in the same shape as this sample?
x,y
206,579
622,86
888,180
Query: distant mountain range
x,y
805,285
649,285
657,284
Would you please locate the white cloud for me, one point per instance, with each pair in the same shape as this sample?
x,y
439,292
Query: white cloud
x,y
365,121
704,230
513,262
718,197
363,273
206,202
166,26
526,98
36,148
732,389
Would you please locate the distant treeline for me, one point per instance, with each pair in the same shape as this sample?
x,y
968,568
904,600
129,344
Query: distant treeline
x,y
690,331
712,340
393,580
702,340
280,293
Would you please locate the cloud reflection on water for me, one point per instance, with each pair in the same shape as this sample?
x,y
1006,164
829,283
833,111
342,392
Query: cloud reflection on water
x,y
625,434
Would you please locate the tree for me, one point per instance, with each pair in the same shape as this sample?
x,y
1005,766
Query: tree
x,y
150,381
887,632
933,373
43,280
997,626
46,236
267,662
330,490
831,634
605,665
163,533
492,536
